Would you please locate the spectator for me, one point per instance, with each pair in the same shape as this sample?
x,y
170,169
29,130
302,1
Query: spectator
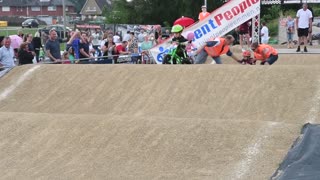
x,y
264,33
20,34
127,36
304,24
24,55
121,49
84,48
96,38
6,54
29,39
133,48
147,44
116,38
36,41
203,14
44,37
109,49
215,48
290,31
141,36
53,47
265,53
244,34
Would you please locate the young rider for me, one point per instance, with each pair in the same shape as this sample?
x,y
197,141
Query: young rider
x,y
177,36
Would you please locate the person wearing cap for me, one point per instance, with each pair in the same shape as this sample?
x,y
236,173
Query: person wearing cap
x,y
203,14
264,53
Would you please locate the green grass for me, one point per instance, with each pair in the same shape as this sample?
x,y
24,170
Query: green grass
x,y
7,31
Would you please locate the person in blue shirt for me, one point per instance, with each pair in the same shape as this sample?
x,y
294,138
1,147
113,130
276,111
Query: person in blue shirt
x,y
6,54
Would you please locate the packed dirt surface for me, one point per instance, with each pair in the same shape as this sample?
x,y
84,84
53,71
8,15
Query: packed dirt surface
x,y
154,121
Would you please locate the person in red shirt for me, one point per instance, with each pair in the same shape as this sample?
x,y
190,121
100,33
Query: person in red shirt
x,y
121,49
204,13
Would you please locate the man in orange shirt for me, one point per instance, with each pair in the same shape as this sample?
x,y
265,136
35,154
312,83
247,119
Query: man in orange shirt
x,y
264,53
215,48
204,13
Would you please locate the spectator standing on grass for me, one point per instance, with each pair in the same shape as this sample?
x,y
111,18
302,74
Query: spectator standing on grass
x,y
24,55
304,24
290,31
264,33
6,54
53,46
29,39
36,41
20,34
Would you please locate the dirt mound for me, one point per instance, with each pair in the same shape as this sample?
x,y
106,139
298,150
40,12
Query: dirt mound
x,y
152,121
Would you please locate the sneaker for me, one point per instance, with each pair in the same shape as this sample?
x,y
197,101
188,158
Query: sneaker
x,y
298,49
305,49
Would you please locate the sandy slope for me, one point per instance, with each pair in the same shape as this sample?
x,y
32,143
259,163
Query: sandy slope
x,y
153,121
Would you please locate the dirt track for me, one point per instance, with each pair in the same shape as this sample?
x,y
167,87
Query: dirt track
x,y
153,121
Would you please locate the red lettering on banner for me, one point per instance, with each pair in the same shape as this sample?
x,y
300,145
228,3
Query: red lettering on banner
x,y
228,15
218,18
248,2
235,10
254,1
243,6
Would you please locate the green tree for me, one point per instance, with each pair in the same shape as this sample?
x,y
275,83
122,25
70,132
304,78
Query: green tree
x,y
155,11
78,4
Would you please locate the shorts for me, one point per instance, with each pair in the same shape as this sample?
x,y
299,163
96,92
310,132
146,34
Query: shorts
x,y
303,32
243,32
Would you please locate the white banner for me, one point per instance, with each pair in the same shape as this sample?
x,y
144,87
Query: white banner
x,y
221,21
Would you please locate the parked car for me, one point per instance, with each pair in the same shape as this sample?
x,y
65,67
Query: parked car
x,y
58,28
30,23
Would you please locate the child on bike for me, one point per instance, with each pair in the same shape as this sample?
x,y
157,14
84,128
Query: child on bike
x,y
177,34
247,59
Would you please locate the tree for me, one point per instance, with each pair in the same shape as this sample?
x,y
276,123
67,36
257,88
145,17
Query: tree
x,y
154,11
78,4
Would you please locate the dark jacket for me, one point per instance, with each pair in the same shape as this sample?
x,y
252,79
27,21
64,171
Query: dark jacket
x,y
25,57
36,41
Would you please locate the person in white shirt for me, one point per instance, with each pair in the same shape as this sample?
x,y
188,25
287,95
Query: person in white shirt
x,y
96,41
7,54
304,25
127,36
264,34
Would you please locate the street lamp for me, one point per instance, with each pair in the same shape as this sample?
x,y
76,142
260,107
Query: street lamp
x,y
129,0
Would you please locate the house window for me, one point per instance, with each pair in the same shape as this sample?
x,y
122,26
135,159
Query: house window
x,y
52,8
35,8
89,9
5,8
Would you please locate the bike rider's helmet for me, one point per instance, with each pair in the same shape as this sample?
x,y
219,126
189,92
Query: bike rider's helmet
x,y
246,53
177,29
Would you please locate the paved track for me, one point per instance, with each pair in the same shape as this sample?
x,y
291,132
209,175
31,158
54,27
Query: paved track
x,y
152,121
